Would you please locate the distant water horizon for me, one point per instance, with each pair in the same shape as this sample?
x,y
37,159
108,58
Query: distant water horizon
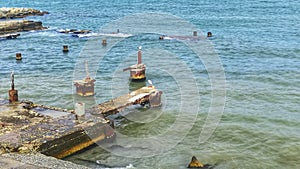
x,y
257,44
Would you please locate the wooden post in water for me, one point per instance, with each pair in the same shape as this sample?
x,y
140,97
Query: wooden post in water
x,y
13,94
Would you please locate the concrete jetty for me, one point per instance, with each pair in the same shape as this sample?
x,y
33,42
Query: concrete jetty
x,y
145,95
29,128
26,127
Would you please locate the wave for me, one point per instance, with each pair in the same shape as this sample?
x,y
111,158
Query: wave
x,y
118,35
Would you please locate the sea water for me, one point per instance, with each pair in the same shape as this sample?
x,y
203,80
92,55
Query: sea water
x,y
257,43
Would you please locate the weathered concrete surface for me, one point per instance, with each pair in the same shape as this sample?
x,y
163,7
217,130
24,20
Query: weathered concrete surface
x,y
13,26
10,13
140,96
26,128
34,161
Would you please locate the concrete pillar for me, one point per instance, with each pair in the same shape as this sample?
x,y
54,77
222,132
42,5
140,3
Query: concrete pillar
x,y
65,48
80,109
104,42
18,56
13,94
209,34
195,33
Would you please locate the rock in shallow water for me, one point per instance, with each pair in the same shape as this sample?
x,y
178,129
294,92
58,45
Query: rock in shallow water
x,y
195,163
12,26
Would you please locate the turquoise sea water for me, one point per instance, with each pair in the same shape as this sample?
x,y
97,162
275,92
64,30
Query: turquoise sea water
x,y
257,43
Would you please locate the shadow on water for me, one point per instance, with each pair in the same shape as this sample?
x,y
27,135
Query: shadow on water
x,y
134,85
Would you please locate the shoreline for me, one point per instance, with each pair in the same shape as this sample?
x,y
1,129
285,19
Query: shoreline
x,y
14,160
10,26
12,13
27,129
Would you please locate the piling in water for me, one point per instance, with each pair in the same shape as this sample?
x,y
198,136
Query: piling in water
x,y
85,87
13,94
209,34
104,42
195,33
18,56
137,71
65,48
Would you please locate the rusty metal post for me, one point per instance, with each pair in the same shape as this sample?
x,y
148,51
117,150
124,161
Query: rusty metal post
x,y
13,94
65,48
104,42
209,34
18,56
140,55
195,33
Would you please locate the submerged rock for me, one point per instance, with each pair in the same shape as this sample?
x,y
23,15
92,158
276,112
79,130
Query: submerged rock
x,y
195,163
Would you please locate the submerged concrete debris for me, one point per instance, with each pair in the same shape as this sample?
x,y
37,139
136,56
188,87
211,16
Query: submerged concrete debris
x,y
145,95
73,31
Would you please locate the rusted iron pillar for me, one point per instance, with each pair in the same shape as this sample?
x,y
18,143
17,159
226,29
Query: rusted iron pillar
x,y
13,94
139,56
195,33
18,56
85,87
65,48
209,34
137,71
104,42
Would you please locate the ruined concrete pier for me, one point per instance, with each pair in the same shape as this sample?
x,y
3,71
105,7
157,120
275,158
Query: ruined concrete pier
x,y
145,95
26,128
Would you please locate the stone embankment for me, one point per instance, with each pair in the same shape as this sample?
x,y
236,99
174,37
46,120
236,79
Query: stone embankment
x,y
11,13
13,26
